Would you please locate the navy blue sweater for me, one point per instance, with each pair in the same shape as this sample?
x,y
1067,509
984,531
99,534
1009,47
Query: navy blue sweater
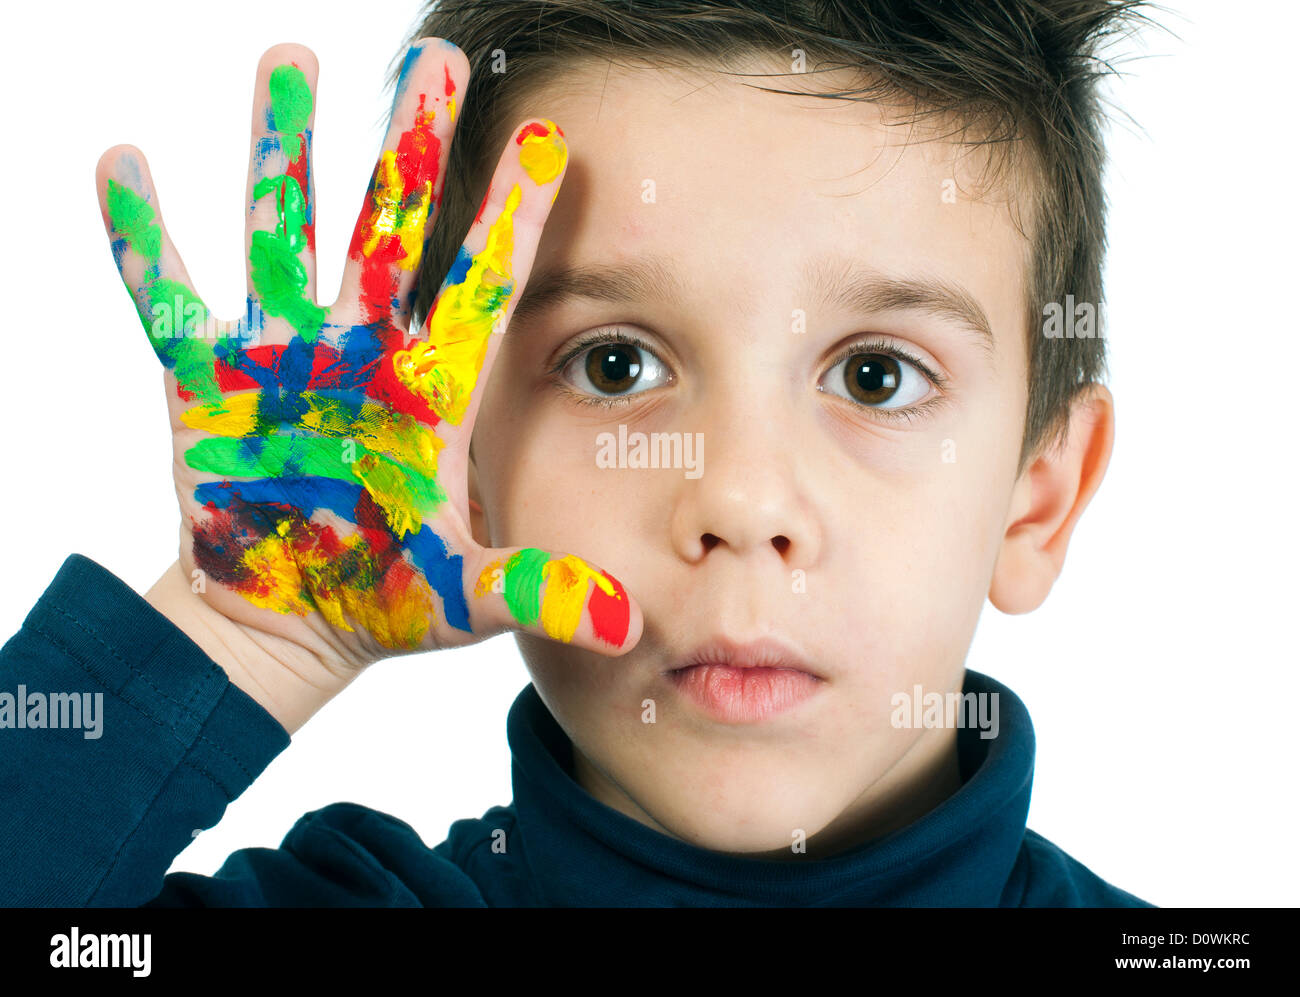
x,y
96,821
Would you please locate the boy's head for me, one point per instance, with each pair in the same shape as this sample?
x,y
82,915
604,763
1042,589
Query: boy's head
x,y
838,305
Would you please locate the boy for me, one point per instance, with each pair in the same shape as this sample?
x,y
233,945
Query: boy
x,y
778,361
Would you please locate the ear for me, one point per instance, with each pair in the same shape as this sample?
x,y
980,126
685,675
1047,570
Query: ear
x,y
1047,502
477,520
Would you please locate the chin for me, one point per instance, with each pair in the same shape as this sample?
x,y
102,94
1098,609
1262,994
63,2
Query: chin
x,y
765,820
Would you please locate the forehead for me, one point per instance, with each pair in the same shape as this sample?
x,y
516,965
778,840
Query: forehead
x,y
743,191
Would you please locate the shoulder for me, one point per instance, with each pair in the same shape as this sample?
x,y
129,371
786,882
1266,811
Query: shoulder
x,y
464,869
355,843
1046,876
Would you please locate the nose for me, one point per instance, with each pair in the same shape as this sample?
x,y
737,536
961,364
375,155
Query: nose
x,y
750,500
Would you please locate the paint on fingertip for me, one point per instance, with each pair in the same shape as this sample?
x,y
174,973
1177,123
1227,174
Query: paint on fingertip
x,y
553,590
290,107
543,151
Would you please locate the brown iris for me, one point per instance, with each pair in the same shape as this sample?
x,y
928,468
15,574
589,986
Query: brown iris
x,y
613,368
872,378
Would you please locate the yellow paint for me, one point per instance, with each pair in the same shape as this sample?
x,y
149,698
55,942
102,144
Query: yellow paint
x,y
444,368
566,594
543,156
238,417
388,487
485,578
388,215
298,577
375,428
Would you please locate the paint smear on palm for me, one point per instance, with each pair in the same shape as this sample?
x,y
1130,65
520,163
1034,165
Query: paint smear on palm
x,y
299,566
444,369
371,426
554,589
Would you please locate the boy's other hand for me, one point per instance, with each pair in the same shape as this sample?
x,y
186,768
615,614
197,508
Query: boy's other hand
x,y
321,451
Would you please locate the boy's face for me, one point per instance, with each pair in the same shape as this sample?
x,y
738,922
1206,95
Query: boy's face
x,y
863,540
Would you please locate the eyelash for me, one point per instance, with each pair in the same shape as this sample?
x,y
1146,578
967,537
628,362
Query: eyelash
x,y
596,338
601,337
912,412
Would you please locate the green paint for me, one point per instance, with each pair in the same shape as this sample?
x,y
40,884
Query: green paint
x,y
277,271
190,358
524,584
295,455
132,218
290,107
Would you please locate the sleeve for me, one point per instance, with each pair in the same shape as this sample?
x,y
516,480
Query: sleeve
x,y
119,739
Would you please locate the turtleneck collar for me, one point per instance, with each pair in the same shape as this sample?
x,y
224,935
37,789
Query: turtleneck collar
x,y
582,853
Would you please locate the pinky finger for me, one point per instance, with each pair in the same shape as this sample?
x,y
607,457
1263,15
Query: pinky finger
x,y
557,596
175,318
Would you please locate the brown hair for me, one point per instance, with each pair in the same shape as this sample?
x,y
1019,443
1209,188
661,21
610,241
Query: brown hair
x,y
1025,73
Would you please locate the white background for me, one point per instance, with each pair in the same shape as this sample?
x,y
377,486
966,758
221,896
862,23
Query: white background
x,y
1162,673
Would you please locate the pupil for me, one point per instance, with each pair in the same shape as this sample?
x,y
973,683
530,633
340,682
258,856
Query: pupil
x,y
612,368
872,378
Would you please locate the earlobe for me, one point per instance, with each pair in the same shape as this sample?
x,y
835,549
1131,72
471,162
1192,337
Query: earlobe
x,y
1047,502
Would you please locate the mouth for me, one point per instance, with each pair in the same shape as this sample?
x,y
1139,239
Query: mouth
x,y
766,652
735,683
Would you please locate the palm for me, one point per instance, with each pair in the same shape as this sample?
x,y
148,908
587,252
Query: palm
x,y
320,451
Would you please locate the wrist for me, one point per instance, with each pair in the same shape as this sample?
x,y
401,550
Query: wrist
x,y
289,681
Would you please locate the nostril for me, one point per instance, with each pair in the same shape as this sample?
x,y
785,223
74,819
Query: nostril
x,y
782,544
709,541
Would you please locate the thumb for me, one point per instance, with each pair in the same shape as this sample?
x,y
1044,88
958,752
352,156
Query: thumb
x,y
558,596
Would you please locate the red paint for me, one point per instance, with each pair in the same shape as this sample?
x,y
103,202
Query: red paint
x,y
610,614
298,171
533,128
385,387
229,379
395,578
416,157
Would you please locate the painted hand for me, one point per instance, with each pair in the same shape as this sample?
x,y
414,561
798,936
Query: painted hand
x,y
321,451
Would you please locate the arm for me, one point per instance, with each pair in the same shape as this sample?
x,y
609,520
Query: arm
x,y
94,815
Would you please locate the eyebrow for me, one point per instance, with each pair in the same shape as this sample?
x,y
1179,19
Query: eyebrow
x,y
832,281
651,278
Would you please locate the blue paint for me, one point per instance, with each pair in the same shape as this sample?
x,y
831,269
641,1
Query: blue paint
x,y
412,54
444,572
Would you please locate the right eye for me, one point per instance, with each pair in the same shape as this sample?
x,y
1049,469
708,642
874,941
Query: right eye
x,y
613,364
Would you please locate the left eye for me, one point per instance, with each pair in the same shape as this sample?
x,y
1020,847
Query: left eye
x,y
877,380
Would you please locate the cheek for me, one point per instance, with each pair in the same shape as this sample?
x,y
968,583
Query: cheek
x,y
912,559
541,484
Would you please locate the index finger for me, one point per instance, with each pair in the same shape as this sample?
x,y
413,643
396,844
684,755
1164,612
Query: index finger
x,y
446,367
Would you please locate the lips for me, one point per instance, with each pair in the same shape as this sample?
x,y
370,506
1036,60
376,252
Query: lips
x,y
749,683
766,652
